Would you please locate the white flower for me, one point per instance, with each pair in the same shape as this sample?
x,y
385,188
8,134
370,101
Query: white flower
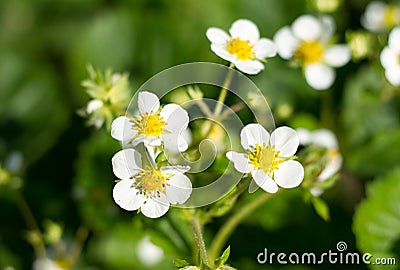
x,y
268,157
148,253
243,47
148,188
153,125
390,57
307,43
46,264
327,139
380,16
95,108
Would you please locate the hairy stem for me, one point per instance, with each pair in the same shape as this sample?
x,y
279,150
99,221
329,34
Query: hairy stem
x,y
198,236
230,225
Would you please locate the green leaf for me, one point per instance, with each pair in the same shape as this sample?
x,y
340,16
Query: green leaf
x,y
224,257
377,219
380,154
180,263
364,110
321,207
223,207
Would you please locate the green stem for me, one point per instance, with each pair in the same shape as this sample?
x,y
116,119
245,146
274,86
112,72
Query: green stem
x,y
221,99
81,235
327,112
230,225
31,223
198,236
224,91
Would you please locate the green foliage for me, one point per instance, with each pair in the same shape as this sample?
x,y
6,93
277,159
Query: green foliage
x,y
224,257
377,219
67,174
371,124
320,207
94,181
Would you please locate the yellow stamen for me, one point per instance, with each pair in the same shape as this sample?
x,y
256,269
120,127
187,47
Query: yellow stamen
x,y
241,48
264,157
391,16
150,124
150,181
308,52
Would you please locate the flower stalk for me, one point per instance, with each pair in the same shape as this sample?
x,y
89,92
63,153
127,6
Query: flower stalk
x,y
230,225
198,236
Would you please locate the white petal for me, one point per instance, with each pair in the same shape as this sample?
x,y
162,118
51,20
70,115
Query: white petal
x,y
265,48
304,136
394,39
316,191
94,105
324,138
179,189
253,134
155,207
245,30
172,170
264,181
289,174
217,36
307,28
121,129
251,67
240,162
148,102
332,167
222,52
329,27
176,118
389,58
149,253
126,163
337,55
285,140
126,196
319,76
373,18
174,143
152,141
287,43
393,76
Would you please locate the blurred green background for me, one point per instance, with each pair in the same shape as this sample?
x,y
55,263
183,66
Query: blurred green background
x,y
67,176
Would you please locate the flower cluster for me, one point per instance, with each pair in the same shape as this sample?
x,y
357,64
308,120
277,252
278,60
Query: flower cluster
x,y
110,95
326,139
144,184
307,42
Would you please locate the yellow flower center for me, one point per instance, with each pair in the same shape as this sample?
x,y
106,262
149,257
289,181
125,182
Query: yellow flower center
x,y
241,48
150,181
308,52
150,124
264,157
391,16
